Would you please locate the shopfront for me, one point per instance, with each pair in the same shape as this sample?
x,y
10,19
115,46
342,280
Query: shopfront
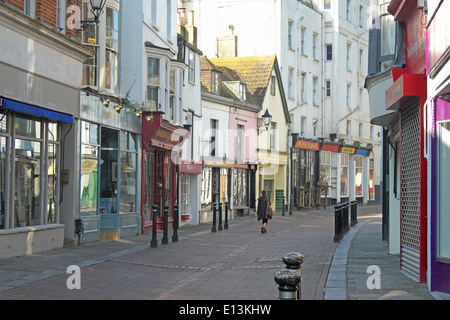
x,y
109,172
438,148
190,177
215,188
161,181
305,173
30,177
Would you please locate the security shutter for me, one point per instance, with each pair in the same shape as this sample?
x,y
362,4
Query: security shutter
x,y
410,191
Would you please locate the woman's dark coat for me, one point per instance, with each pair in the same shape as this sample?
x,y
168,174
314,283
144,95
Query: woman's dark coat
x,y
262,207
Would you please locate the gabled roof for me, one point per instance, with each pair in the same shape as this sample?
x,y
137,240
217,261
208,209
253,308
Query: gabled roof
x,y
226,75
255,71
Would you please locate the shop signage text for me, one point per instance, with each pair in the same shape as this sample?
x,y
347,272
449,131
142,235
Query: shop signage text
x,y
307,145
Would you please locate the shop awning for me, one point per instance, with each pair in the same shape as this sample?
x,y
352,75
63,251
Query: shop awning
x,y
35,111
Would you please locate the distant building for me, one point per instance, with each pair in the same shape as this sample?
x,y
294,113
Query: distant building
x,y
322,50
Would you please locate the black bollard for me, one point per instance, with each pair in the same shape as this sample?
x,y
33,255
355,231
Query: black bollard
x,y
290,205
165,239
225,226
220,216
214,228
175,223
294,261
288,281
337,223
282,212
154,242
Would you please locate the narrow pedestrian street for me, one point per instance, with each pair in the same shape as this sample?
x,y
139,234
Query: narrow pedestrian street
x,y
234,264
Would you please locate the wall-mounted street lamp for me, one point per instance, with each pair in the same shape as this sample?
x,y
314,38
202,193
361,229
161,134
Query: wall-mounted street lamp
x,y
97,7
266,120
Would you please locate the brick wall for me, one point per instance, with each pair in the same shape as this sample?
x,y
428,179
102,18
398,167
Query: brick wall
x,y
46,12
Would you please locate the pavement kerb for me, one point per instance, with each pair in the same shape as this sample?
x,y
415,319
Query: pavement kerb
x,y
336,285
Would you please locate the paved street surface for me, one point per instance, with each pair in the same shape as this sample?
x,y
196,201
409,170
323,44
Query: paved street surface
x,y
234,264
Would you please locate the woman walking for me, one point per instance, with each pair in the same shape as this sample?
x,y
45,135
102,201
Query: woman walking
x,y
263,201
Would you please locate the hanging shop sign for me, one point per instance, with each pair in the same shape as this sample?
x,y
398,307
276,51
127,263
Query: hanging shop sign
x,y
157,132
307,145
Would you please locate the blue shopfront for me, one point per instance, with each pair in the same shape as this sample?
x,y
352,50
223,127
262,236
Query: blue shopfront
x,y
110,150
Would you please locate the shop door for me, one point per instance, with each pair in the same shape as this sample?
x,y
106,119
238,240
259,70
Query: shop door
x,y
157,186
410,236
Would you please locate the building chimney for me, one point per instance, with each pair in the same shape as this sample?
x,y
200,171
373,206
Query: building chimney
x,y
186,28
227,46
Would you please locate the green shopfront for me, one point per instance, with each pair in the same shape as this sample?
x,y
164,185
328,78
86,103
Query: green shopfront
x,y
110,150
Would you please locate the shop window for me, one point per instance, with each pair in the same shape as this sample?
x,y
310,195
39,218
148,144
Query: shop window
x,y
371,179
128,168
443,187
358,175
52,183
325,164
89,168
27,193
149,188
206,196
185,204
344,175
240,187
167,180
32,172
108,170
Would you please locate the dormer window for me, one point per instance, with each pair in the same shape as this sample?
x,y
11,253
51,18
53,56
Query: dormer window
x,y
243,91
215,82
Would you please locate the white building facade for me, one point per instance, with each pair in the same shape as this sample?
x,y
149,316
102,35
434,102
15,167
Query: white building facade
x,y
322,48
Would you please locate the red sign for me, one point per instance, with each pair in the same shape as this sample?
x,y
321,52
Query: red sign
x,y
190,168
329,147
159,133
308,145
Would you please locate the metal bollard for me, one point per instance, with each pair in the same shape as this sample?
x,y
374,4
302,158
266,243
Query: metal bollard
x,y
220,216
214,229
290,205
354,213
294,261
225,226
165,239
337,223
154,242
282,212
288,281
175,222
345,220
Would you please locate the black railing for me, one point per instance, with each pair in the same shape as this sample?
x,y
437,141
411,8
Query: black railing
x,y
341,218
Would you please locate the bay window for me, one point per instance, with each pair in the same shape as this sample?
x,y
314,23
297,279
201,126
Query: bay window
x,y
153,83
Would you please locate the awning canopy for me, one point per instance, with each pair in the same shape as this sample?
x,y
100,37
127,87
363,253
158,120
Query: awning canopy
x,y
35,111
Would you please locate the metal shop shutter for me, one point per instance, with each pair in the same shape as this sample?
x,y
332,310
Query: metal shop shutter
x,y
410,191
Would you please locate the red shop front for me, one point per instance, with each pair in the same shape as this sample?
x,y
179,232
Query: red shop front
x,y
161,145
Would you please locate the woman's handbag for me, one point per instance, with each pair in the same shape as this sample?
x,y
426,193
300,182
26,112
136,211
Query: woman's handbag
x,y
269,211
